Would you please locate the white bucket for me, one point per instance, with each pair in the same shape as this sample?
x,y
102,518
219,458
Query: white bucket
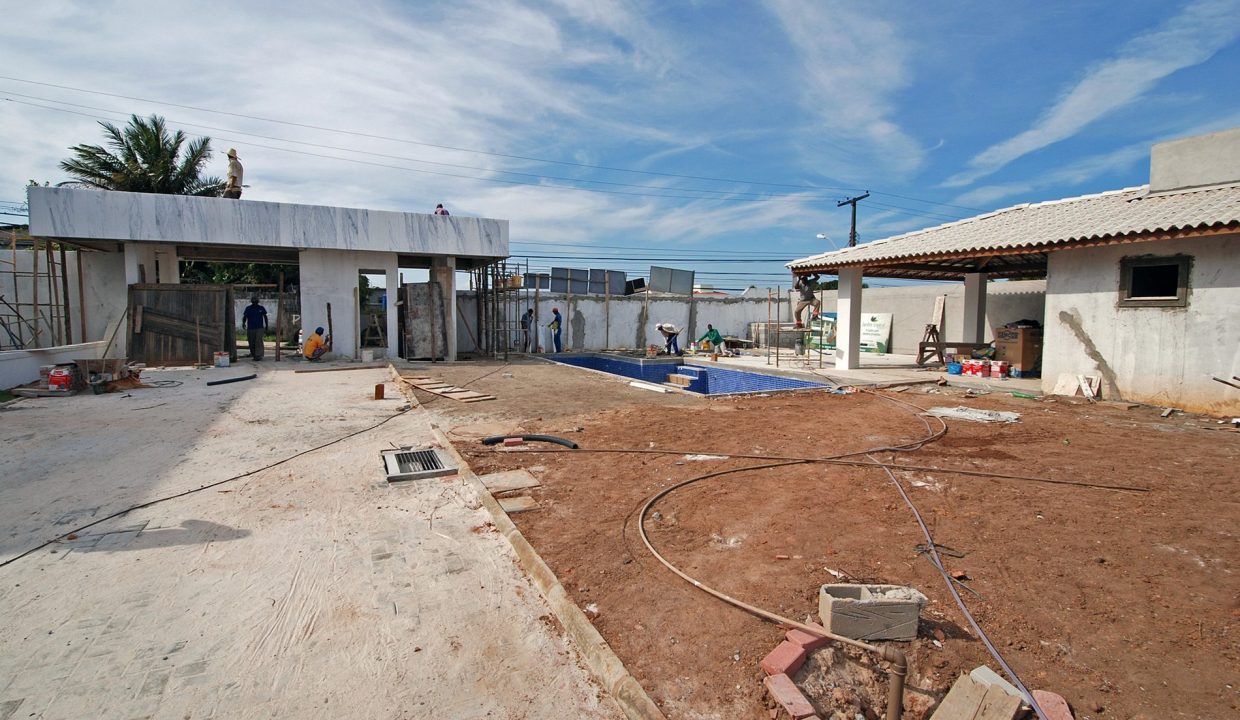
x,y
368,355
221,359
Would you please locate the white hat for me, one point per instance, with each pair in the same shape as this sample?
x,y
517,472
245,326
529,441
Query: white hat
x,y
232,152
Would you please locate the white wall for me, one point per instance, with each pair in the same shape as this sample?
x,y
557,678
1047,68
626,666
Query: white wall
x,y
912,305
103,278
1162,356
587,328
331,276
21,367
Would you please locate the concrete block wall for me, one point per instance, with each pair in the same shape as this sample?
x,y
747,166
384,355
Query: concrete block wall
x,y
593,323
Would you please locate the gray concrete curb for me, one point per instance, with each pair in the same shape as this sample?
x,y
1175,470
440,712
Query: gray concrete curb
x,y
611,673
623,688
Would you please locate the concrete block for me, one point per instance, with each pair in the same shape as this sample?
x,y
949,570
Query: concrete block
x,y
986,676
785,659
871,612
807,641
789,697
1054,707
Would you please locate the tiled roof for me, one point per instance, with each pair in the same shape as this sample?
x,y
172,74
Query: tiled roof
x,y
1041,226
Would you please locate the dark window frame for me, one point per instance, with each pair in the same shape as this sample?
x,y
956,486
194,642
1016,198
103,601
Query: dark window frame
x,y
1128,264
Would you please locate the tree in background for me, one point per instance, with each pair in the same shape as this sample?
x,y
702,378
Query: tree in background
x,y
225,273
144,157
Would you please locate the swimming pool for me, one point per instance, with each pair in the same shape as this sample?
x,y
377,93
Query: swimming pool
x,y
702,380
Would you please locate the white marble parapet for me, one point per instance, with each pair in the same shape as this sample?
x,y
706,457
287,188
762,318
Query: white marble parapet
x,y
81,214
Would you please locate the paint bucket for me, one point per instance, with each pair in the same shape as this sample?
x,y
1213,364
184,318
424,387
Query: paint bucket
x,y
954,368
998,369
60,378
221,359
368,355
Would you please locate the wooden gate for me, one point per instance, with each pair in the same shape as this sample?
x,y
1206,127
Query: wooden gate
x,y
181,324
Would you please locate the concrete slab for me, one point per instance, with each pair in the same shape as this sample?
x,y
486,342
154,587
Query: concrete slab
x,y
509,480
309,589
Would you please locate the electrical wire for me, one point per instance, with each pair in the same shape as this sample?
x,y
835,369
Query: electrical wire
x,y
931,436
191,491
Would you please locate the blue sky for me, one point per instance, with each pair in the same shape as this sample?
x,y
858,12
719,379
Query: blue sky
x,y
717,136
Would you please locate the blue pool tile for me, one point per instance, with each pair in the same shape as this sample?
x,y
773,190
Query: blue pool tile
x,y
706,381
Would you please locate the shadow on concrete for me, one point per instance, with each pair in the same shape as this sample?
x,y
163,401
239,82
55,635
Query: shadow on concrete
x,y
191,532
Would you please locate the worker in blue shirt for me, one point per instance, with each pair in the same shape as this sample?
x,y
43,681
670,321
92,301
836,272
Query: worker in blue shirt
x,y
254,322
556,323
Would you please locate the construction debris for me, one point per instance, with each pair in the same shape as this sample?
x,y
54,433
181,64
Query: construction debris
x,y
443,389
974,414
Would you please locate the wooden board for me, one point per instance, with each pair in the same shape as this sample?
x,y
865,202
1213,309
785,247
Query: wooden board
x,y
518,504
997,705
509,480
438,387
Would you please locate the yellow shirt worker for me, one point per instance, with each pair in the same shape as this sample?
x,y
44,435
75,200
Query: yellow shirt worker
x,y
315,346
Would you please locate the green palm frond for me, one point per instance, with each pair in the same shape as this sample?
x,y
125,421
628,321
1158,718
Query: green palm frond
x,y
144,157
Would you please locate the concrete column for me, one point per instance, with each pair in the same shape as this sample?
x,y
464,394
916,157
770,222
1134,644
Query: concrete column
x,y
393,310
443,271
168,265
973,322
139,254
848,320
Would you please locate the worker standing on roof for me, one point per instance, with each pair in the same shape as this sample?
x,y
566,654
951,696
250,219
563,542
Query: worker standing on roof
x,y
441,210
670,334
808,287
254,322
232,190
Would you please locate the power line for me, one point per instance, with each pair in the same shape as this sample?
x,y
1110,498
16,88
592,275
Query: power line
x,y
455,175
801,187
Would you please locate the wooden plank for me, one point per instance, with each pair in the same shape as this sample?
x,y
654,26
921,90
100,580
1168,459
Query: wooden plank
x,y
518,504
997,705
362,366
962,701
509,480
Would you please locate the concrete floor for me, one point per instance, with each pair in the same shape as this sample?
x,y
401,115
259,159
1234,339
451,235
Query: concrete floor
x,y
312,589
875,369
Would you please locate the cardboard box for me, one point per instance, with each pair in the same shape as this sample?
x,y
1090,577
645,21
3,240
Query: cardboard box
x,y
1021,348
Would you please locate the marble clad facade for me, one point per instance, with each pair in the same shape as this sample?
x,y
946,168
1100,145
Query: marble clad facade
x,y
333,244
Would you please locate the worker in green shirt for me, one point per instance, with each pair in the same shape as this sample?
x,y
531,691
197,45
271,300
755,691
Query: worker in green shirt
x,y
716,340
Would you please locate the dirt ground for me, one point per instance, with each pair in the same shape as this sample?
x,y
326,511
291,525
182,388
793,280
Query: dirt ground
x,y
1125,603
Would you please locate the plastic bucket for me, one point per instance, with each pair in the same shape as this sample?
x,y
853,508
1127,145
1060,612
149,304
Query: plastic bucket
x,y
954,368
221,359
60,378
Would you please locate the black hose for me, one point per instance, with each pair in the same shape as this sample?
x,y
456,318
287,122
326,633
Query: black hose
x,y
497,439
232,380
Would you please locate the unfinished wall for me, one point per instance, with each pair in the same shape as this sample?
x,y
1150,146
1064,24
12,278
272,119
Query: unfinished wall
x,y
587,324
912,305
331,276
103,277
1162,356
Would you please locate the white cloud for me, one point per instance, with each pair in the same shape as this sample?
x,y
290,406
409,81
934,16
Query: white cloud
x,y
1190,38
852,63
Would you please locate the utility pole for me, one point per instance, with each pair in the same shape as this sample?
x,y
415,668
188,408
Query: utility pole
x,y
852,236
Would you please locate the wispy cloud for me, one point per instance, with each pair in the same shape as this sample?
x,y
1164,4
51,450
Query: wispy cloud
x,y
1190,38
852,63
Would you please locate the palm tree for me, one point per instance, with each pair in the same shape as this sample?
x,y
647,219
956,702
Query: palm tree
x,y
144,157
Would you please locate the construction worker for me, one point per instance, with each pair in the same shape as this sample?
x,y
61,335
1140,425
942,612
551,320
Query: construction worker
x,y
556,323
254,322
527,324
315,346
670,334
715,340
232,190
807,285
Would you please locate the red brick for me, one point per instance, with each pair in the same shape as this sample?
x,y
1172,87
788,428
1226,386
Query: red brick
x,y
785,659
789,697
806,640
509,442
1053,706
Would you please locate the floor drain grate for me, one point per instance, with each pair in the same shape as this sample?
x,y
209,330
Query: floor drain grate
x,y
412,464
